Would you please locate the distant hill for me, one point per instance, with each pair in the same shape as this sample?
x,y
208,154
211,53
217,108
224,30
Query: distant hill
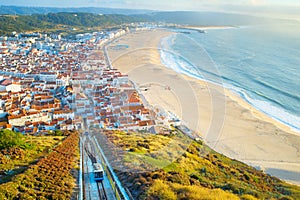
x,y
63,22
209,18
17,10
97,18
179,17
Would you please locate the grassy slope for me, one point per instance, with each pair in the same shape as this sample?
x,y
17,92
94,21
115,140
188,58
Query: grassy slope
x,y
51,176
19,163
197,172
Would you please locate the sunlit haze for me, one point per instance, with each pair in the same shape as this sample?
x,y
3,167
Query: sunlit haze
x,y
154,4
150,99
272,8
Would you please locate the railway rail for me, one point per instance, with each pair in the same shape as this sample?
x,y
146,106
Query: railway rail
x,y
101,190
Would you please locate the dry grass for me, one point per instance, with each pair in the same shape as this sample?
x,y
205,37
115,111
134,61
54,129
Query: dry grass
x,y
197,171
40,146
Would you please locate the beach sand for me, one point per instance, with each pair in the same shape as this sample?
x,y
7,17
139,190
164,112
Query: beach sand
x,y
228,123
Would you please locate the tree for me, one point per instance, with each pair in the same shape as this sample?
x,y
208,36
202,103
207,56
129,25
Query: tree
x,y
10,139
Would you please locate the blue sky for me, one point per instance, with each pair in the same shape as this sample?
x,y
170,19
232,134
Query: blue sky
x,y
152,4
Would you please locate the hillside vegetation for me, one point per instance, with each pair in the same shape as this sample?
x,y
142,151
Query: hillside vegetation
x,y
198,173
21,10
48,178
17,152
89,20
61,22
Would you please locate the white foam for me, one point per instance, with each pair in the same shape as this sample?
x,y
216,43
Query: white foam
x,y
171,61
175,62
279,114
274,112
181,66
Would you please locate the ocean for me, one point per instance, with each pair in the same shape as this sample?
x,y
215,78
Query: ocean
x,y
260,63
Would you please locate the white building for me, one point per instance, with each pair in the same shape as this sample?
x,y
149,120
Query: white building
x,y
44,117
65,115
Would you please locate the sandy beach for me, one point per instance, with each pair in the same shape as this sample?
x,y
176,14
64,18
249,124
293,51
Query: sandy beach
x,y
228,123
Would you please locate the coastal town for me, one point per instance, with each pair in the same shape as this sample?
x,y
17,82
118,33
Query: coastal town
x,y
140,100
49,83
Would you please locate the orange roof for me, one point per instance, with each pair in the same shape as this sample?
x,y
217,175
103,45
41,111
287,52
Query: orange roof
x,y
6,82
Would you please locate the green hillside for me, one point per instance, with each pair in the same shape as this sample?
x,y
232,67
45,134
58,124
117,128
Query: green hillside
x,y
198,173
61,22
38,167
66,21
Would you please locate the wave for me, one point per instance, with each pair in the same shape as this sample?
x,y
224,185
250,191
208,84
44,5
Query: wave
x,y
274,112
278,112
268,98
182,66
268,107
295,97
167,42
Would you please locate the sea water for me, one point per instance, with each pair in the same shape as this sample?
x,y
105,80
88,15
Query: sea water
x,y
260,63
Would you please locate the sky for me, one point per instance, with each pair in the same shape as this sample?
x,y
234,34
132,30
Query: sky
x,y
152,4
271,8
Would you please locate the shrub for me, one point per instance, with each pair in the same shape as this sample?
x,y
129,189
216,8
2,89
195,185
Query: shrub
x,y
161,190
286,198
9,139
197,193
58,133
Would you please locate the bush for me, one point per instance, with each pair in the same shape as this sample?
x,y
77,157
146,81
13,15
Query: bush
x,y
9,139
58,133
286,198
14,153
194,192
3,160
161,190
176,177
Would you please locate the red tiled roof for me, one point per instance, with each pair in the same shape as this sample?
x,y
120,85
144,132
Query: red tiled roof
x,y
6,82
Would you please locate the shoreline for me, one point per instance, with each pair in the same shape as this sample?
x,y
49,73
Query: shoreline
x,y
243,132
261,114
235,95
